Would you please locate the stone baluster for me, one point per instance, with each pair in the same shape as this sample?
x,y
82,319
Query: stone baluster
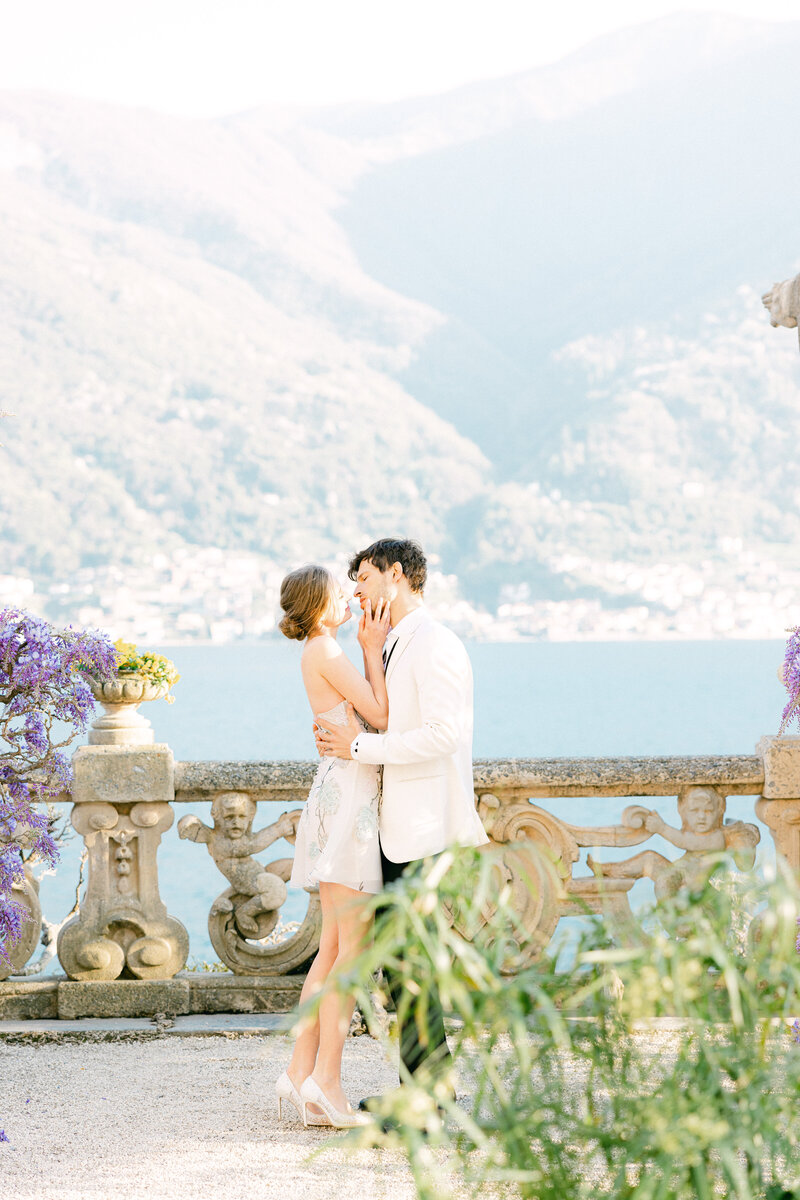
x,y
779,806
121,806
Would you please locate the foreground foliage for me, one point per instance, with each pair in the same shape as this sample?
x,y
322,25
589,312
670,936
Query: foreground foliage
x,y
567,1086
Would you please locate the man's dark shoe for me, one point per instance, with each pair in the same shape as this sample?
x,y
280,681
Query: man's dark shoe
x,y
372,1104
389,1124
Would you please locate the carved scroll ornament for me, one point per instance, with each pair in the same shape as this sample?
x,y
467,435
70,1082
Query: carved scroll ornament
x,y
122,925
538,853
26,894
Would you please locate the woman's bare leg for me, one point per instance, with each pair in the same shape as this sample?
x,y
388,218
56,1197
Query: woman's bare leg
x,y
306,1045
336,1011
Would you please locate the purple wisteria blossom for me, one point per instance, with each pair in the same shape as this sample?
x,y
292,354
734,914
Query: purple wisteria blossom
x,y
44,702
790,674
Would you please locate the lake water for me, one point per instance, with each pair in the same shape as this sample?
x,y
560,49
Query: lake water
x,y
531,700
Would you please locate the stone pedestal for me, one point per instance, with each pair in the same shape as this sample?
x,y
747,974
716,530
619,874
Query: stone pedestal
x,y
190,992
122,805
779,806
121,723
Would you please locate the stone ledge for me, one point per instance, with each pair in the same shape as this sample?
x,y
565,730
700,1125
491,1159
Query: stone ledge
x,y
122,998
223,993
515,778
189,993
534,778
287,781
30,999
129,1029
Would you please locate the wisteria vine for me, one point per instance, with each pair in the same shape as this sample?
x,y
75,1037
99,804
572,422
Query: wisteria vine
x,y
45,702
790,674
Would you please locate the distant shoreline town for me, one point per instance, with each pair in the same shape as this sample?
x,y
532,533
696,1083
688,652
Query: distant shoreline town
x,y
210,596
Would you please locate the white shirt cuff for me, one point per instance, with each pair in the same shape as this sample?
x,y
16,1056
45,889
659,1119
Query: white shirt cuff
x,y
354,746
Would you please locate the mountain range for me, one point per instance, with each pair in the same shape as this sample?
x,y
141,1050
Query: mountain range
x,y
520,321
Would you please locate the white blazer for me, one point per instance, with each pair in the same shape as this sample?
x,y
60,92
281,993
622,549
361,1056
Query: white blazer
x,y
428,801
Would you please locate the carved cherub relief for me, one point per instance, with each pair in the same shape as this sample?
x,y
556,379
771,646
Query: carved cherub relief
x,y
703,832
231,843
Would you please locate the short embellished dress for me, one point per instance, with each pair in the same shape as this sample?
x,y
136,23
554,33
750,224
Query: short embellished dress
x,y
337,835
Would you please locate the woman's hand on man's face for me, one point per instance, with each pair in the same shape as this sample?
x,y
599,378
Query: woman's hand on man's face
x,y
373,626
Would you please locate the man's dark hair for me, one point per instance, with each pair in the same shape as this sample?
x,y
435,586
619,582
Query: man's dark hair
x,y
386,552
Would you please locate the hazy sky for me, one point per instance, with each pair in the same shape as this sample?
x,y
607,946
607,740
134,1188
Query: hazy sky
x,y
207,57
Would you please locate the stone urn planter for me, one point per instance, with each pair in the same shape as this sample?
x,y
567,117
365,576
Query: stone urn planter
x,y
121,723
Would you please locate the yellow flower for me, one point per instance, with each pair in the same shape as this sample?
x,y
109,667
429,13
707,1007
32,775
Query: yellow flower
x,y
124,650
147,663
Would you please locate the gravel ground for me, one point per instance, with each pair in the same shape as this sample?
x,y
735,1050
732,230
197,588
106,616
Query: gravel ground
x,y
179,1118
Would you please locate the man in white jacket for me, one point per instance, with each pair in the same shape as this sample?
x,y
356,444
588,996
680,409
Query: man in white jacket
x,y
428,802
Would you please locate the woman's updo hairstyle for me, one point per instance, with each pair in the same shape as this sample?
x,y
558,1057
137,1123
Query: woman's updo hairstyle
x,y
305,598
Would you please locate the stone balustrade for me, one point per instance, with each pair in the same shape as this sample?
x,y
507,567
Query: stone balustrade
x,y
124,799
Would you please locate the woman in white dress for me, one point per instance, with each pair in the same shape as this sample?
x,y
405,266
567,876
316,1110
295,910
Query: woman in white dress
x,y
336,850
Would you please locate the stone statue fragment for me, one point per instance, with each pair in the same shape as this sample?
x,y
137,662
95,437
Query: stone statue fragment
x,y
232,843
703,833
783,303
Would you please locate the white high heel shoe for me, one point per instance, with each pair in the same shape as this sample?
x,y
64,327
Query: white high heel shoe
x,y
312,1093
285,1090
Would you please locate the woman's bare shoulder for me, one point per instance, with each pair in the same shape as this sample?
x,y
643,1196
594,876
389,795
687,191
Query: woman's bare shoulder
x,y
320,649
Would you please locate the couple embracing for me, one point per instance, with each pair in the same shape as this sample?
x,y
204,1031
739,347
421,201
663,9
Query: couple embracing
x,y
381,802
